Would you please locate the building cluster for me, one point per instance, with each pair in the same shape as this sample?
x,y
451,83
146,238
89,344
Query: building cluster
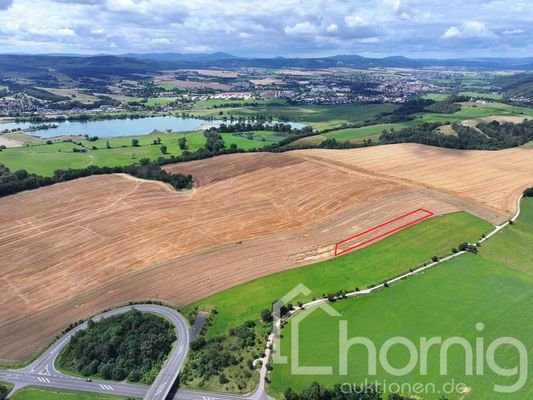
x,y
17,105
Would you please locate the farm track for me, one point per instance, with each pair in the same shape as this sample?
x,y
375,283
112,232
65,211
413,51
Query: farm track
x,y
79,247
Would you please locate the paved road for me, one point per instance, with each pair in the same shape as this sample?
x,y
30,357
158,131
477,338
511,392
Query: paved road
x,y
42,372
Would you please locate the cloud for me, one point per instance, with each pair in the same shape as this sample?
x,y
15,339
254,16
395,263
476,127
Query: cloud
x,y
332,28
301,28
469,29
513,32
354,21
276,27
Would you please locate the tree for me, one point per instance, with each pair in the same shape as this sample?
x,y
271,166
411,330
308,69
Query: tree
x,y
163,149
3,392
135,142
182,143
266,315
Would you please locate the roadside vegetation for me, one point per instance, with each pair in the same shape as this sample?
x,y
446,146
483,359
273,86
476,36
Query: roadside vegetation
x,y
226,362
130,346
5,388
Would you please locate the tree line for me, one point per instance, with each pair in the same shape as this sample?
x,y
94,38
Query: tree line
x,y
254,126
130,346
20,180
491,136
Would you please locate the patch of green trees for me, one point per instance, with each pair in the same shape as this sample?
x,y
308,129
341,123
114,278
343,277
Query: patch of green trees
x,y
491,136
4,391
130,346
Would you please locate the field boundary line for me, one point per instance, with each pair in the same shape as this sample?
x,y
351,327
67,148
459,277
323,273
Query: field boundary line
x,y
338,252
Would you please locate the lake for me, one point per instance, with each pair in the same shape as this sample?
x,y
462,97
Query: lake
x,y
118,127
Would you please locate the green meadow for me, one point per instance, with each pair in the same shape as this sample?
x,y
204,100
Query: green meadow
x,y
44,159
481,95
470,111
366,132
319,117
391,256
494,288
51,394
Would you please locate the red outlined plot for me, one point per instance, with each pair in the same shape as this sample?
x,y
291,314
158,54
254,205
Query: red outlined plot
x,y
382,230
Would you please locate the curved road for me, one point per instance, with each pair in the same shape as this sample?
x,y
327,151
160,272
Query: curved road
x,y
42,371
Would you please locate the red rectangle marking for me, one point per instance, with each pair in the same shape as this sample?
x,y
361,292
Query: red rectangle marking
x,y
426,214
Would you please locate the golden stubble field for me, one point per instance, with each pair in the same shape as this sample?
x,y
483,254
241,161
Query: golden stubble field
x,y
73,249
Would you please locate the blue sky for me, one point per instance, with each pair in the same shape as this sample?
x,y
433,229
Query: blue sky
x,y
415,28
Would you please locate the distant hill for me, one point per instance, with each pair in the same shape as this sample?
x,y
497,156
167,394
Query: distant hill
x,y
514,86
225,60
192,57
131,65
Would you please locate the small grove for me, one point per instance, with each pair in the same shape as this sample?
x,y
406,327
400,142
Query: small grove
x,y
226,362
491,136
130,346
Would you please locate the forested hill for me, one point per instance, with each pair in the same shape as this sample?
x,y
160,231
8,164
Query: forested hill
x,y
74,66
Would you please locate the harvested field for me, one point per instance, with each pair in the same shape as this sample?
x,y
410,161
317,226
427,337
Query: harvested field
x,y
4,141
75,248
184,84
492,179
217,73
500,118
267,81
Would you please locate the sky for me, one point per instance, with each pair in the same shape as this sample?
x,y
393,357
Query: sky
x,y
269,28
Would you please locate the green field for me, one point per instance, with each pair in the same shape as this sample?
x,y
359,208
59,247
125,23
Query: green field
x,y
159,101
436,96
495,288
319,117
470,111
51,394
44,159
514,246
203,104
481,95
388,257
371,131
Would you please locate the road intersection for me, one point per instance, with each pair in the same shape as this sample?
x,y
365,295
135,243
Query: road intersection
x,y
43,373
